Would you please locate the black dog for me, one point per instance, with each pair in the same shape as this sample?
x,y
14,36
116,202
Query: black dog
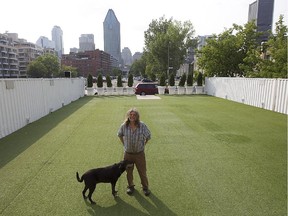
x,y
109,174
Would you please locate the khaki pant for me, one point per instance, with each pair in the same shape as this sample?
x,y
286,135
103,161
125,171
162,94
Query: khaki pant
x,y
140,162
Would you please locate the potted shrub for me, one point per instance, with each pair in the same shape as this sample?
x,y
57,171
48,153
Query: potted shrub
x,y
189,86
181,88
199,87
119,85
172,87
162,84
90,89
130,84
109,88
100,90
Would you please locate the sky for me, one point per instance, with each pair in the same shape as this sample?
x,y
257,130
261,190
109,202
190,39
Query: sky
x,y
34,18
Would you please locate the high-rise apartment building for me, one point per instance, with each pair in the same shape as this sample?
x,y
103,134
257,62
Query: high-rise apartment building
x,y
86,42
9,65
111,27
57,37
261,11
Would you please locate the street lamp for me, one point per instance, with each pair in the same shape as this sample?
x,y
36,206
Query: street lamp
x,y
168,68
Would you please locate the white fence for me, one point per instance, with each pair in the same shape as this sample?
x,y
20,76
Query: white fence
x,y
26,100
271,94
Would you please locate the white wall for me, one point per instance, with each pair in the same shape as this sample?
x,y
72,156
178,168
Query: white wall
x,y
271,94
23,101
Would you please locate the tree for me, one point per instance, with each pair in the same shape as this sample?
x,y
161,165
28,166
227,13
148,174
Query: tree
x,y
51,66
100,81
90,81
138,67
108,80
182,80
189,79
167,42
171,80
162,81
36,69
199,79
221,56
130,80
275,63
119,81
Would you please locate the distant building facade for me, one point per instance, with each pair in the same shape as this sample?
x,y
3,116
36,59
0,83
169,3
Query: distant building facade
x,y
86,42
126,56
57,37
27,52
91,62
112,40
44,42
261,11
136,56
9,65
16,54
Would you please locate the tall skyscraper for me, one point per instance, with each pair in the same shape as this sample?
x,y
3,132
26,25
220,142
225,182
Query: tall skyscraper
x,y
57,37
111,27
86,42
127,56
261,11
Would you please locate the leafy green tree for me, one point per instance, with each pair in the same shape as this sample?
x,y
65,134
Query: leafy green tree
x,y
249,42
36,69
138,67
275,51
221,56
50,63
167,40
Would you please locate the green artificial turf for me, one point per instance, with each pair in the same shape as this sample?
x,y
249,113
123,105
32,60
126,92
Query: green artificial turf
x,y
207,156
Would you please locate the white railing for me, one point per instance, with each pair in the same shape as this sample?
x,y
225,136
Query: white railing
x,y
270,94
23,101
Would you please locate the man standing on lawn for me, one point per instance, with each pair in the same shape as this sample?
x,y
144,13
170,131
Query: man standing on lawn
x,y
134,135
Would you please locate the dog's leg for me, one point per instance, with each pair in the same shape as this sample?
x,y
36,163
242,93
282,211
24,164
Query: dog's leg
x,y
91,190
114,192
84,192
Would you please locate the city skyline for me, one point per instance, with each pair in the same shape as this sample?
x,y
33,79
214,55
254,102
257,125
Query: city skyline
x,y
76,18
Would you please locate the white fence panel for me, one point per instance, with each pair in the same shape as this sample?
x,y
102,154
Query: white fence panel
x,y
26,100
271,94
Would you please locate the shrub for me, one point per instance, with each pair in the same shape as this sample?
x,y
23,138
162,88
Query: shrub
x,y
100,81
172,80
89,81
108,80
119,81
162,80
182,80
130,80
199,79
189,79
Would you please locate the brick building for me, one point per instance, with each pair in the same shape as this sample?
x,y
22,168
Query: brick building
x,y
93,62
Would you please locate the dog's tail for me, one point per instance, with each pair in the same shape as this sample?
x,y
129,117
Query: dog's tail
x,y
78,178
